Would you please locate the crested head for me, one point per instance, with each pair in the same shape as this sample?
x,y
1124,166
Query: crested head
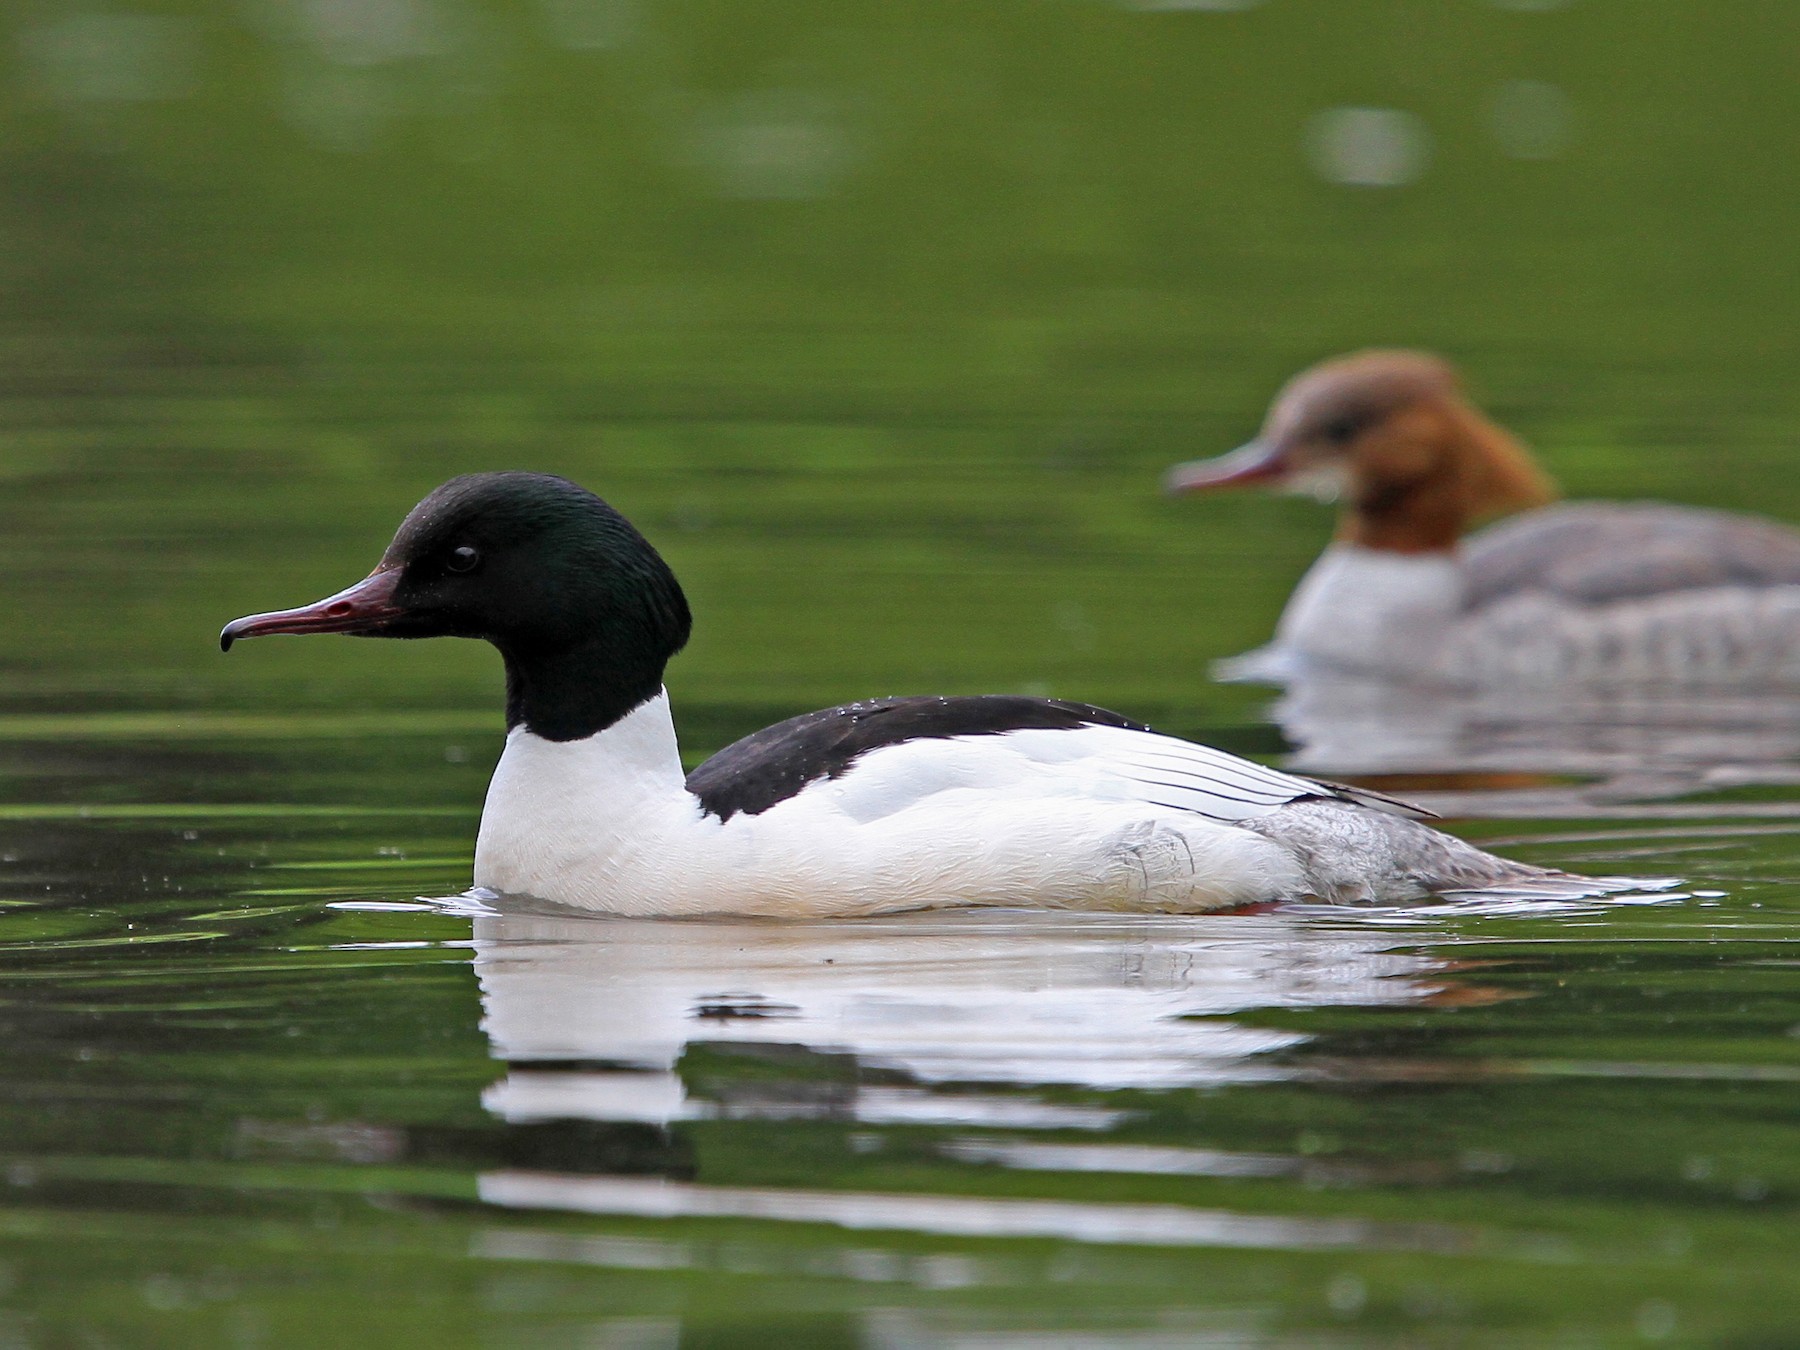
x,y
1391,434
584,611
1336,400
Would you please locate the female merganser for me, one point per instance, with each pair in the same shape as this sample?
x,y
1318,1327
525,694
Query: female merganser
x,y
893,804
1597,592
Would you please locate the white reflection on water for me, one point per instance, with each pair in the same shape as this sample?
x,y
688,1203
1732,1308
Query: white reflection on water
x,y
895,1021
648,1097
1653,742
774,145
955,1215
1031,1156
1368,147
997,998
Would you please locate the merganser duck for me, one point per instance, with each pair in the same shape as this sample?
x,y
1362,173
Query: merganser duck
x,y
899,803
1595,592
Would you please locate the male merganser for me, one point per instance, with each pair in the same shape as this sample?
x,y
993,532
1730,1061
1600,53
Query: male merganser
x,y
1609,592
901,803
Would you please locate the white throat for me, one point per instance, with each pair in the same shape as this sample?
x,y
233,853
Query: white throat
x,y
1369,609
599,809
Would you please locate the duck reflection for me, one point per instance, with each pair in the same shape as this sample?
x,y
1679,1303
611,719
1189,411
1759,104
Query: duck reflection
x,y
1629,744
937,1018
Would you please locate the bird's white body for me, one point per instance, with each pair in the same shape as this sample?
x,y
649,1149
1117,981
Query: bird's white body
x,y
1361,610
1411,616
1098,818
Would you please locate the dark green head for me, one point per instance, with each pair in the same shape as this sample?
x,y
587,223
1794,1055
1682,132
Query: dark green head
x,y
583,609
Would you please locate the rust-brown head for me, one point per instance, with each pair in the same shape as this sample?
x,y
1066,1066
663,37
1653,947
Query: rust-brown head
x,y
1390,435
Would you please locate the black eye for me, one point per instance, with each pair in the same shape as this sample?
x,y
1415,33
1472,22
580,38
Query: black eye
x,y
464,559
1340,429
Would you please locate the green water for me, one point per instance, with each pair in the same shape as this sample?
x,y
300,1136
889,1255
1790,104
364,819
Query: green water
x,y
881,321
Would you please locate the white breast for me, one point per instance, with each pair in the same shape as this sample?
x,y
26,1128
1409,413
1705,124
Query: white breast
x,y
1363,609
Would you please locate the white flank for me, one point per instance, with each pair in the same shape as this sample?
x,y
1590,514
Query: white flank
x,y
1713,635
1370,612
1097,818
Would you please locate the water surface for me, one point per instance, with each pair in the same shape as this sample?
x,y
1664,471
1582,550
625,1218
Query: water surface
x,y
260,1094
882,322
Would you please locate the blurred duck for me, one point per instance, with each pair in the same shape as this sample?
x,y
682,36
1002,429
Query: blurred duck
x,y
893,804
1587,592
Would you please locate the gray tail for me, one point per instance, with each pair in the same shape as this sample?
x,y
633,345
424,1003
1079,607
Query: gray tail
x,y
1354,854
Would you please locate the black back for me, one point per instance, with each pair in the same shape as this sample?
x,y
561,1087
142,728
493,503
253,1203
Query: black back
x,y
773,764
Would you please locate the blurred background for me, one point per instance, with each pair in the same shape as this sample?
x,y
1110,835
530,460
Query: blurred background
x,y
880,319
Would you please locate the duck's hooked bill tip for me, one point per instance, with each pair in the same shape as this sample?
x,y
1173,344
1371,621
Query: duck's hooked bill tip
x,y
1253,462
367,607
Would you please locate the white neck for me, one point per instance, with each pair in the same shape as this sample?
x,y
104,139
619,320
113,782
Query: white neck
x,y
593,813
1372,609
